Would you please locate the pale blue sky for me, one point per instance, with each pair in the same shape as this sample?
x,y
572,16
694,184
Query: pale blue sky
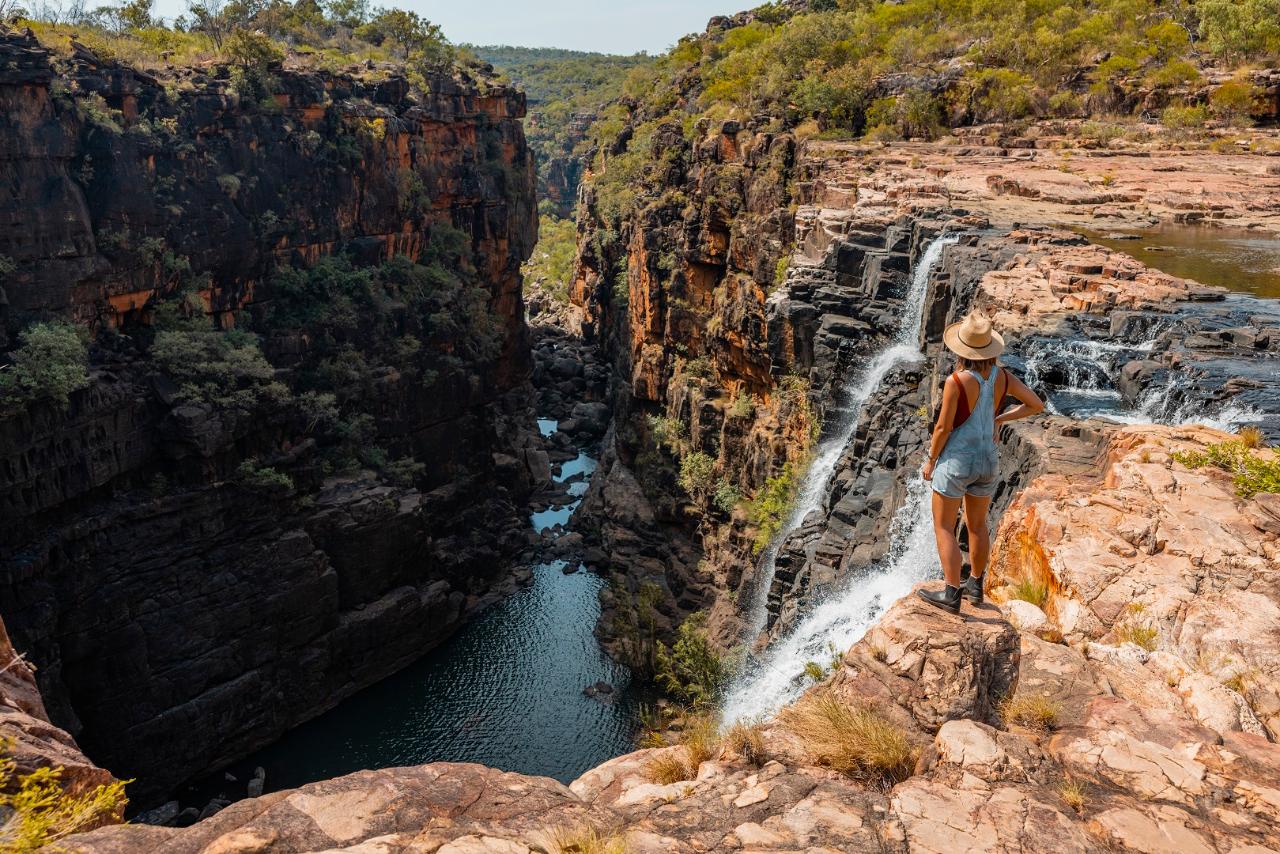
x,y
609,26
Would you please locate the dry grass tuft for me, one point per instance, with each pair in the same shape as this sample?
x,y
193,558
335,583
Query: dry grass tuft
x,y
747,740
1030,590
1136,633
856,741
701,740
814,671
1073,794
671,767
582,840
1252,437
1034,711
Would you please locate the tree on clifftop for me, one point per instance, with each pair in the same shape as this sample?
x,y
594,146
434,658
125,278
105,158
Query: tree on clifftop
x,y
414,35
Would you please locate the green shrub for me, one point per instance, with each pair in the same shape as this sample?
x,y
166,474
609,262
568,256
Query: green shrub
x,y
229,184
690,670
259,478
225,370
769,508
726,496
39,811
744,405
403,472
1184,118
1234,101
668,433
1001,94
1066,104
700,367
1251,474
1237,29
1176,72
697,473
49,363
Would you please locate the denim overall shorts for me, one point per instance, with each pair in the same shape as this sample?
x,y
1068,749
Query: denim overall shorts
x,y
968,463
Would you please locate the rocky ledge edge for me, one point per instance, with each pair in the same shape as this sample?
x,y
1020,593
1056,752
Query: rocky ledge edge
x,y
1157,739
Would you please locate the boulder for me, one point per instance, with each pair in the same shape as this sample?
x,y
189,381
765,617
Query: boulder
x,y
940,667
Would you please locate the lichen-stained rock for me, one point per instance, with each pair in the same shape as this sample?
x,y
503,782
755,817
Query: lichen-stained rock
x,y
394,810
1161,569
940,667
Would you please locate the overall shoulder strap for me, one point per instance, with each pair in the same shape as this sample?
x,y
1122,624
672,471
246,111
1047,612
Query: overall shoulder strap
x,y
962,402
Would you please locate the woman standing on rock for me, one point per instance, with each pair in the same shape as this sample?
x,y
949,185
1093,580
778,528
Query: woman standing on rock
x,y
963,462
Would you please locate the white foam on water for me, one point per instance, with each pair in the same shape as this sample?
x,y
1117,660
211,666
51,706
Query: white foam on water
x,y
901,350
842,618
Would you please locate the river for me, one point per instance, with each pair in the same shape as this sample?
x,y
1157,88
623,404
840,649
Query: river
x,y
506,690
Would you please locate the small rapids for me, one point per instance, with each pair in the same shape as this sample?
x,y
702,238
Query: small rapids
x,y
841,619
1076,379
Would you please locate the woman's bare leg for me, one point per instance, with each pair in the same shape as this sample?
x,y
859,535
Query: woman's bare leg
x,y
975,519
944,530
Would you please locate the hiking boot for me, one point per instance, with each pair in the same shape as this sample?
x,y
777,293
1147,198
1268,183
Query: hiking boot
x,y
947,600
972,588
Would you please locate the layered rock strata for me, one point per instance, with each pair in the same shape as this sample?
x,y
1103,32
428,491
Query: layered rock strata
x,y
178,614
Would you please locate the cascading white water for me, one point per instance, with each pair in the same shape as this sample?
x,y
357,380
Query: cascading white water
x,y
1089,392
902,349
839,621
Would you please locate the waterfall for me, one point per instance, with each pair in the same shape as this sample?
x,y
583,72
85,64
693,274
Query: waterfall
x,y
901,349
839,621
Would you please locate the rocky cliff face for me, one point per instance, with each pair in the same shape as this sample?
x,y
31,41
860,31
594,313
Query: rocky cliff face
x,y
181,608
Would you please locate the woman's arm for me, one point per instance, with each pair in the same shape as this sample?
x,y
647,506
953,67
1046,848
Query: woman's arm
x,y
942,430
1029,403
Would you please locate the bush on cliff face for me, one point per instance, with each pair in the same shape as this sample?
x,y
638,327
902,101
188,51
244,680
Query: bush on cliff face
x,y
50,363
769,508
691,670
224,370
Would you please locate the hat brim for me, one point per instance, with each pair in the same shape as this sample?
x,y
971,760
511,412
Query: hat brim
x,y
951,338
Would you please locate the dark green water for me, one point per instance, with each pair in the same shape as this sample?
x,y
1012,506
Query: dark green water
x,y
1236,259
506,691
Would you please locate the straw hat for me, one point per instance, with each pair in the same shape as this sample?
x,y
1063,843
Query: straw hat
x,y
973,337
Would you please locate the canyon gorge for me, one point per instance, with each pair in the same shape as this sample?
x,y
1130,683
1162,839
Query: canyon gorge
x,y
352,537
